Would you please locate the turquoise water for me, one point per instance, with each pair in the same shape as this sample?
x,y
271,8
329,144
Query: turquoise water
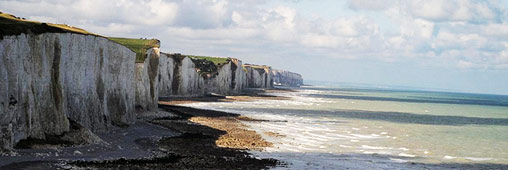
x,y
406,126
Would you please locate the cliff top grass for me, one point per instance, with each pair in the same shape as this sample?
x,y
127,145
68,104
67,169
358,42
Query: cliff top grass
x,y
256,66
206,66
139,46
12,25
216,60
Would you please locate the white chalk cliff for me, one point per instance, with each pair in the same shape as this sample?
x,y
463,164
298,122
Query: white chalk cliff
x,y
181,77
286,78
51,82
51,78
147,81
258,76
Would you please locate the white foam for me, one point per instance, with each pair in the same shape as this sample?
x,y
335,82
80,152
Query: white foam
x,y
301,137
364,136
319,129
449,157
374,147
407,155
404,149
319,137
478,159
338,136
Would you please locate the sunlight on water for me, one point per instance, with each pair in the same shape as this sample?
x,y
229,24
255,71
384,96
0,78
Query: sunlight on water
x,y
427,127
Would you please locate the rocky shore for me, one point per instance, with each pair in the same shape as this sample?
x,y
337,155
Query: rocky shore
x,y
174,137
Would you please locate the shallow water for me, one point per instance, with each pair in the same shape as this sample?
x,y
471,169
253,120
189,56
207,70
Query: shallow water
x,y
404,126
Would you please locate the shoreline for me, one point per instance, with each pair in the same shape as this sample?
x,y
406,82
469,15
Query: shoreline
x,y
346,160
207,140
174,137
195,138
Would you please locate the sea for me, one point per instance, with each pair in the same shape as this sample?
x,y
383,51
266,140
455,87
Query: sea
x,y
347,127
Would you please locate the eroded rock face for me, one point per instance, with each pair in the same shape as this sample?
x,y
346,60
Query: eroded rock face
x,y
166,74
181,77
239,76
186,81
47,78
286,78
258,76
228,80
147,81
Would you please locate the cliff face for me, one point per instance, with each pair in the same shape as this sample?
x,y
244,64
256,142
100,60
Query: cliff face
x,y
186,81
51,78
228,79
179,77
185,76
50,82
286,78
239,76
166,74
258,76
147,83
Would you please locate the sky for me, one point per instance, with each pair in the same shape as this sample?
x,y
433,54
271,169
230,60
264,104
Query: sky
x,y
452,45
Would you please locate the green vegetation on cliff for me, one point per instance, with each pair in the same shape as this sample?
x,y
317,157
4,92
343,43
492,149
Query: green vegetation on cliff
x,y
139,46
256,67
207,66
12,25
216,60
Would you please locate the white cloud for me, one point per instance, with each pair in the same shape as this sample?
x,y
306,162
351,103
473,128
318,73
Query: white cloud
x,y
459,33
496,30
151,12
370,4
464,64
204,14
279,24
452,10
